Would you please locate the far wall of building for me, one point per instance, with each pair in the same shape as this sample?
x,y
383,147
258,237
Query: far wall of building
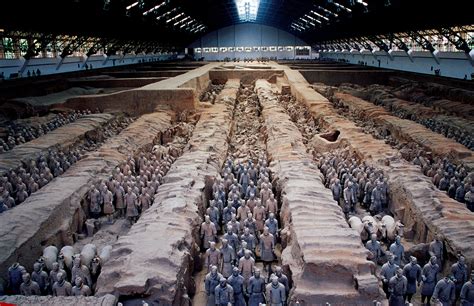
x,y
19,67
250,40
450,64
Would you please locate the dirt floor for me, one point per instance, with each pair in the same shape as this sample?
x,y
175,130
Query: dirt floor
x,y
404,135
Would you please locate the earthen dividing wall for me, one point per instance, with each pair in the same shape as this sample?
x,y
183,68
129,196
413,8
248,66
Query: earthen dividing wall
x,y
155,260
62,137
415,201
146,74
382,96
415,92
111,82
108,300
53,214
247,76
407,130
339,75
326,258
450,91
173,92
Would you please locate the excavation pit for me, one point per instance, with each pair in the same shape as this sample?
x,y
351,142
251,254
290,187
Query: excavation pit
x,y
266,114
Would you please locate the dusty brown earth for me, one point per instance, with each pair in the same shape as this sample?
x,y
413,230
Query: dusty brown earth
x,y
384,97
407,130
325,256
62,137
108,300
156,258
54,214
416,202
63,96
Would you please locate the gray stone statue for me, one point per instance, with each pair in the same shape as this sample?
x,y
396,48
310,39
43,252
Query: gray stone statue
x,y
94,203
251,189
412,272
213,212
120,200
397,288
467,292
387,272
398,250
444,291
237,282
131,202
108,198
249,239
272,224
208,232
40,277
436,248
428,279
282,278
212,257
15,279
267,248
210,283
349,199
229,210
244,179
232,238
29,287
246,266
80,289
250,223
469,199
256,289
80,270
271,205
275,292
224,293
376,199
336,190
228,258
375,249
62,287
259,214
459,271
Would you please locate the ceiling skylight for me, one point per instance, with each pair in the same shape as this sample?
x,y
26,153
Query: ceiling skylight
x,y
247,9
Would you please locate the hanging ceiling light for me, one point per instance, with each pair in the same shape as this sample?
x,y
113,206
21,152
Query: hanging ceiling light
x,y
247,9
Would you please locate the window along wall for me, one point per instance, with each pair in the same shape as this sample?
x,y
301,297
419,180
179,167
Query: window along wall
x,y
250,40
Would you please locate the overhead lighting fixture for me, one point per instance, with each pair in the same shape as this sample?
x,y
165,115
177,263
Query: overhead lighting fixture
x,y
174,18
154,8
362,2
180,21
328,11
247,9
191,24
303,25
319,15
132,5
197,28
307,16
295,27
340,6
307,21
166,14
186,24
299,27
106,6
